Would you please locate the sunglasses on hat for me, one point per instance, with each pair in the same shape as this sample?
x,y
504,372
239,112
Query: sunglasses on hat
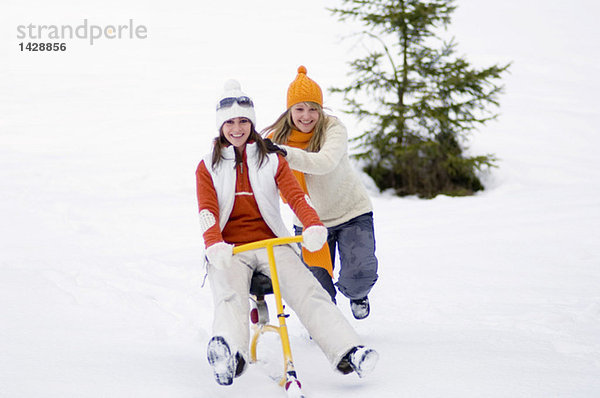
x,y
244,101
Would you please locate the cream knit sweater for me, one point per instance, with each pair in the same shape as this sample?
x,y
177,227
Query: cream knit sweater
x,y
334,187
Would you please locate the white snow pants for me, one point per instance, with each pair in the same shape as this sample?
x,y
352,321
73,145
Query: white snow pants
x,y
301,291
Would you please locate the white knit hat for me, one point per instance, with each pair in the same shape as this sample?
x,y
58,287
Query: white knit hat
x,y
240,105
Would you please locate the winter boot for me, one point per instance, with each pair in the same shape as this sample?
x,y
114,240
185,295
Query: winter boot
x,y
360,308
224,363
360,360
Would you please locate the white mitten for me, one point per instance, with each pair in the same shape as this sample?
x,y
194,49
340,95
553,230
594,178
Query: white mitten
x,y
220,255
314,237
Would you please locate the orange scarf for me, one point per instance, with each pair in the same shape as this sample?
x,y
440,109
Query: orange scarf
x,y
320,258
300,140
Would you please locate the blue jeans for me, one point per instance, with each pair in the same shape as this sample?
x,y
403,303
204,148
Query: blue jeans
x,y
355,243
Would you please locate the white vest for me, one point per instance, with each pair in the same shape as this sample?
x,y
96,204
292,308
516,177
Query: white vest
x,y
262,182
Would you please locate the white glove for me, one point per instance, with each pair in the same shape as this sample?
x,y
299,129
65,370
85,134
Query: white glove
x,y
314,237
220,255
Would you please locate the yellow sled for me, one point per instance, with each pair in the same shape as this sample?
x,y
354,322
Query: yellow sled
x,y
260,317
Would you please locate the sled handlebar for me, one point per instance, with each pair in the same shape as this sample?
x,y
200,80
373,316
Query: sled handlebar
x,y
267,243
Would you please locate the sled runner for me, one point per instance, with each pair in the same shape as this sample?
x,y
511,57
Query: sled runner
x,y
259,315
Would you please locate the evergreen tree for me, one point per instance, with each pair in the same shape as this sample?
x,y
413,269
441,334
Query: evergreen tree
x,y
422,99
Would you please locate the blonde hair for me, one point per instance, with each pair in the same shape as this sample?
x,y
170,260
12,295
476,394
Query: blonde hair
x,y
283,126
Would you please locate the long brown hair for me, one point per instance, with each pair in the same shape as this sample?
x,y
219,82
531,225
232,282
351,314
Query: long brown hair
x,y
283,126
221,142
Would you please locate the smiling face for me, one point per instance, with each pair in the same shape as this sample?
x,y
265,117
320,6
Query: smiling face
x,y
305,116
237,131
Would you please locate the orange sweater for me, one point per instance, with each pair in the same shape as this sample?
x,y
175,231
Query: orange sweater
x,y
245,223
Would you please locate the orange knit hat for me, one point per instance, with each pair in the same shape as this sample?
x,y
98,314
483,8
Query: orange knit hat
x,y
303,89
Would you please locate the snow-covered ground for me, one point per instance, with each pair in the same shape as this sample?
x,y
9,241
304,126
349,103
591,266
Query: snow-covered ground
x,y
496,295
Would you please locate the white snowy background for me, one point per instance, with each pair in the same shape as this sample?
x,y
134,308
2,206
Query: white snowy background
x,y
495,295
